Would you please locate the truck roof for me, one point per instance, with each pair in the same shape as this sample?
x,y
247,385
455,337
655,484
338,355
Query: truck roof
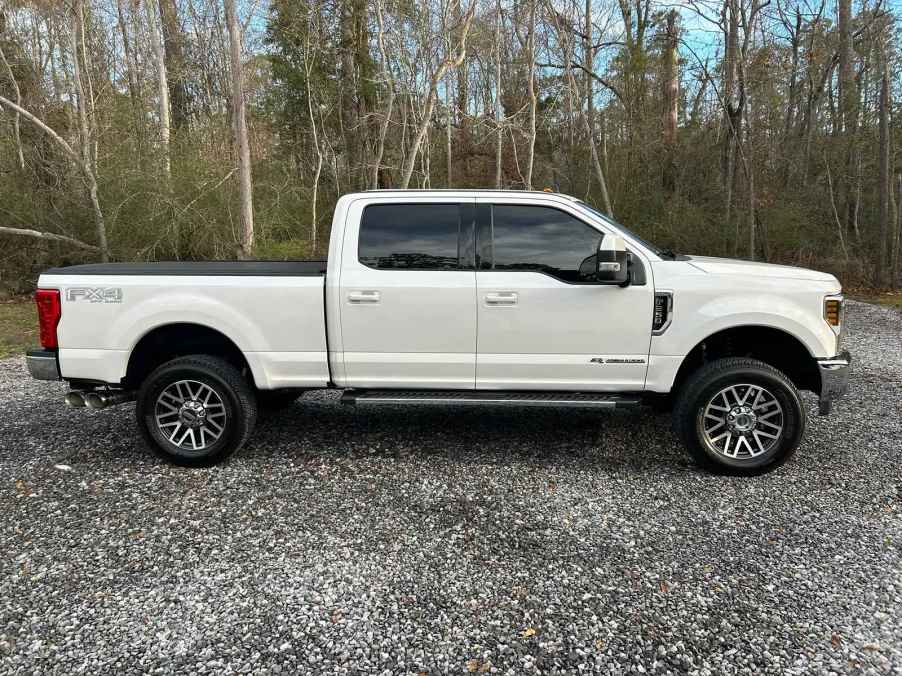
x,y
476,192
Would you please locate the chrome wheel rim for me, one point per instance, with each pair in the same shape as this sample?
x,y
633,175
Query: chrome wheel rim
x,y
190,414
742,422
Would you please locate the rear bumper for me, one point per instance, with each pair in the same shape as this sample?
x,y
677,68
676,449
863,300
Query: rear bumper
x,y
43,364
834,379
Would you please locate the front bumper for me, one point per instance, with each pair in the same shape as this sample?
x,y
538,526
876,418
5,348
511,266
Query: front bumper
x,y
43,364
834,379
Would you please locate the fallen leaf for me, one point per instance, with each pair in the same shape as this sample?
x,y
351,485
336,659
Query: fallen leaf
x,y
22,487
871,646
664,587
485,667
836,640
472,666
599,644
529,631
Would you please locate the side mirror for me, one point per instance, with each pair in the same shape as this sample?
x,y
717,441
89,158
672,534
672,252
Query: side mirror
x,y
612,262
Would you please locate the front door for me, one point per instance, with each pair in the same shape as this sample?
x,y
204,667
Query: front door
x,y
408,295
543,323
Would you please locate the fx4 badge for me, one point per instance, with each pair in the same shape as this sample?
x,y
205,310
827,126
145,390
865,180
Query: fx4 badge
x,y
100,294
602,360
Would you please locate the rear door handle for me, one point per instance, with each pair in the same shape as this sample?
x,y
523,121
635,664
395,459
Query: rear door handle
x,y
501,298
364,297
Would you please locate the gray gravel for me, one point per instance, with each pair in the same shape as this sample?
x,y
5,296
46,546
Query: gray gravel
x,y
452,540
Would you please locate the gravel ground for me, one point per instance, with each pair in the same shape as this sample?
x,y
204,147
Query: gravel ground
x,y
451,541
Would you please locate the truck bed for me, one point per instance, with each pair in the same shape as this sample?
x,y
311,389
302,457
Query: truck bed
x,y
272,311
307,268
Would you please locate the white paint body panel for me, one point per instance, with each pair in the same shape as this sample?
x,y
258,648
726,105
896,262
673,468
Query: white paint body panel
x,y
420,333
277,322
433,330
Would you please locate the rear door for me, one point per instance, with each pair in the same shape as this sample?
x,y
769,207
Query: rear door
x,y
543,322
408,294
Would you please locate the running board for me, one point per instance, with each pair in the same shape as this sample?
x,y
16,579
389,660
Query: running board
x,y
489,398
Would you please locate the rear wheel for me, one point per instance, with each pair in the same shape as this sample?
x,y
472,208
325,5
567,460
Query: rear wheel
x,y
739,416
196,410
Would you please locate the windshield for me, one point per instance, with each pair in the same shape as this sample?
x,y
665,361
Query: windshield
x,y
626,231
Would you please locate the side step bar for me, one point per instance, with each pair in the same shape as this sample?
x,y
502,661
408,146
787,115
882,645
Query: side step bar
x,y
489,398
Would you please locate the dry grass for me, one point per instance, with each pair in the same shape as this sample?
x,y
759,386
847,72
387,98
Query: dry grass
x,y
888,298
18,326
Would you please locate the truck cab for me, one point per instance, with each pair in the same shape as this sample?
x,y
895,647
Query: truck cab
x,y
455,297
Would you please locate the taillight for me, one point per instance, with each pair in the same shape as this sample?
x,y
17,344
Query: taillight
x,y
49,313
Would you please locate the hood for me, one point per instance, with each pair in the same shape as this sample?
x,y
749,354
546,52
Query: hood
x,y
734,266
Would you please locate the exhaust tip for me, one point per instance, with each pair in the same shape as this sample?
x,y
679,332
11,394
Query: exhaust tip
x,y
75,399
94,400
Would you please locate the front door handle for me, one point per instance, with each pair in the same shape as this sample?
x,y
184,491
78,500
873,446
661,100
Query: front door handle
x,y
501,298
364,297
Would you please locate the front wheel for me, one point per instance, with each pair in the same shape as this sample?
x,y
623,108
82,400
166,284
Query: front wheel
x,y
196,410
739,416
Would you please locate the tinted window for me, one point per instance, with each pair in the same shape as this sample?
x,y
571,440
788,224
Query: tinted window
x,y
544,240
410,237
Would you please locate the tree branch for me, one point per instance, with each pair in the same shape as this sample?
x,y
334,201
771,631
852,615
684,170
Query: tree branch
x,y
37,234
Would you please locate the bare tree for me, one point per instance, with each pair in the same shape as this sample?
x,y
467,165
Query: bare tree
x,y
884,187
15,85
239,136
531,90
671,101
86,138
87,171
499,115
453,60
156,40
176,69
389,83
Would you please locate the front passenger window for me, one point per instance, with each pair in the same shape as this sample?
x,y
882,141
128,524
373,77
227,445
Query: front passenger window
x,y
542,239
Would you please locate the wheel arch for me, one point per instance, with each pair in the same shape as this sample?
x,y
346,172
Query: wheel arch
x,y
774,346
178,339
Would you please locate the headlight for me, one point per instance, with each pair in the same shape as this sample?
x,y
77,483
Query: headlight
x,y
833,311
833,315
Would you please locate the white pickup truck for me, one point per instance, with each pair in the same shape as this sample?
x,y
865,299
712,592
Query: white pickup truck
x,y
453,297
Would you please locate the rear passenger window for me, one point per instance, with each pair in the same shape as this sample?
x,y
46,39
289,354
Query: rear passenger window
x,y
411,237
542,239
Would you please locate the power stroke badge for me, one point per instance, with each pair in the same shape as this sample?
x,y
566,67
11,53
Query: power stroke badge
x,y
96,294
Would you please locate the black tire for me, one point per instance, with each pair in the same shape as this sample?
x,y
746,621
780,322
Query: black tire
x,y
276,400
705,384
233,391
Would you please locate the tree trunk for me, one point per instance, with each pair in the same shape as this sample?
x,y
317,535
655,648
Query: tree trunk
x,y
884,187
448,124
239,131
308,68
20,156
88,158
847,88
531,87
390,84
499,130
173,42
671,102
131,68
897,239
162,93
